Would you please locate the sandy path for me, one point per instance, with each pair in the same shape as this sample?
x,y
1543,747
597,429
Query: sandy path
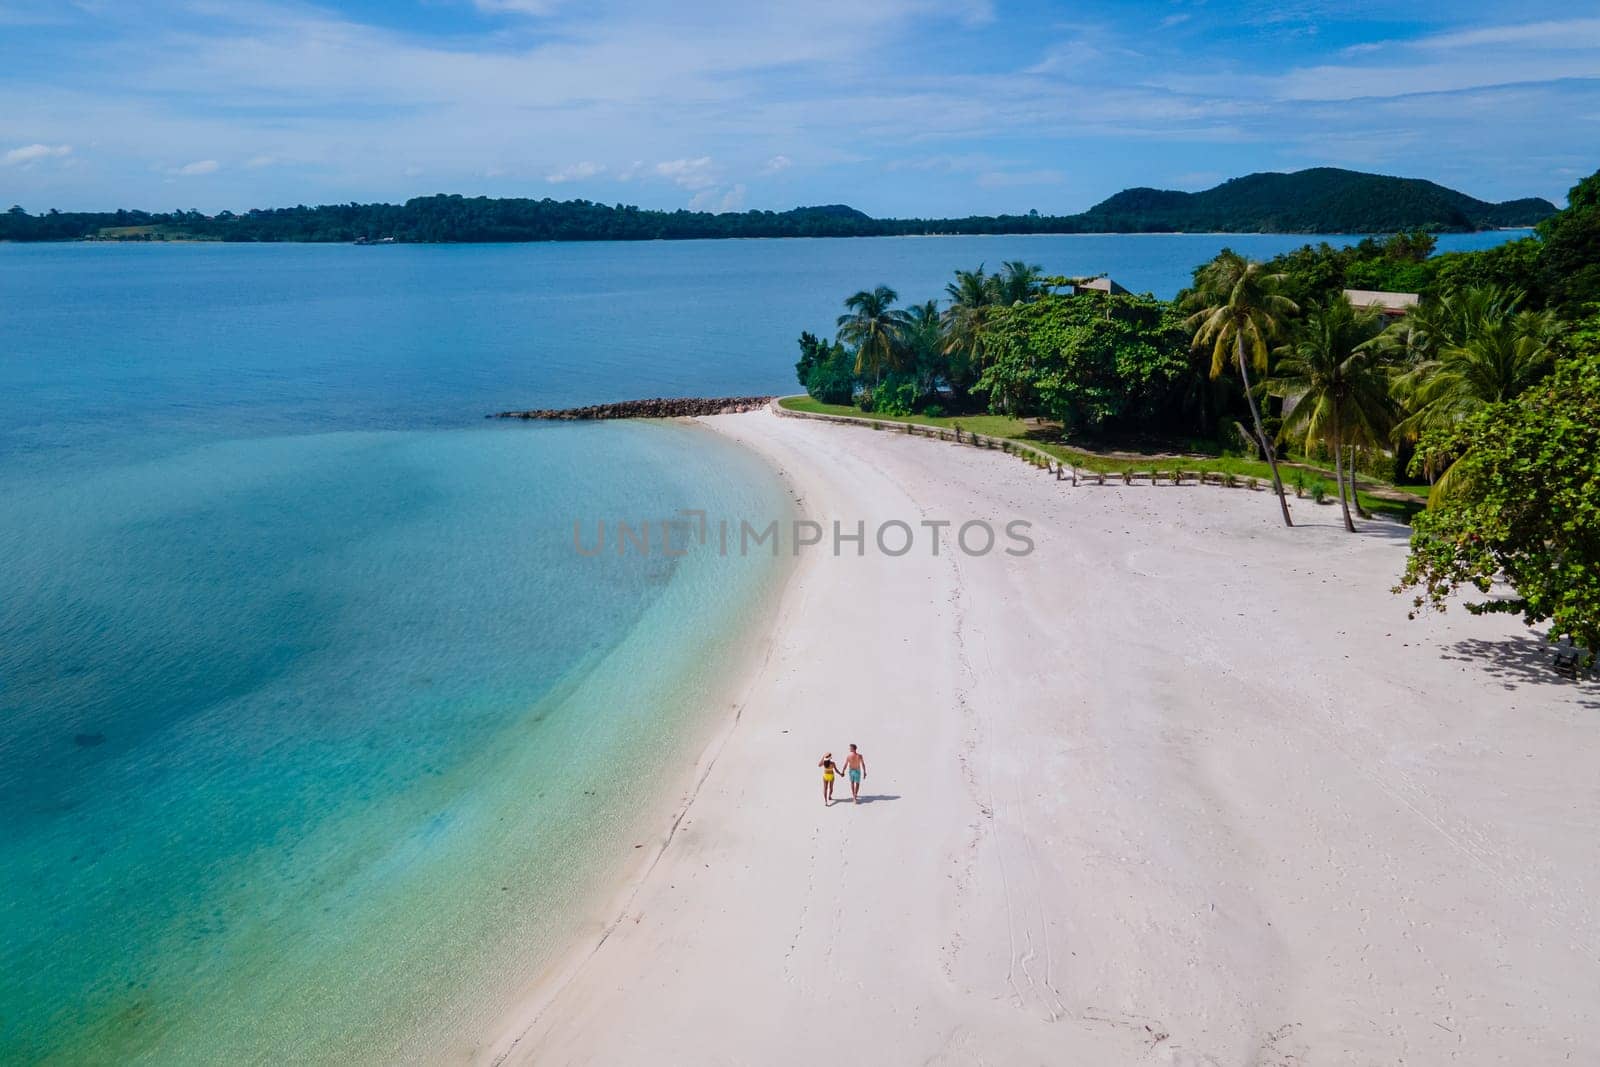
x,y
1180,787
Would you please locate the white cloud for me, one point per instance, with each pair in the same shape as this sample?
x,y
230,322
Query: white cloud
x,y
350,103
1175,20
969,12
257,162
360,101
197,168
537,8
575,172
718,201
1356,83
33,153
1067,57
1562,34
693,174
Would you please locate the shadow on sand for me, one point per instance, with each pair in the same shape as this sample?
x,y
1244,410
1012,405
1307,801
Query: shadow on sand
x,y
1524,660
1381,529
866,798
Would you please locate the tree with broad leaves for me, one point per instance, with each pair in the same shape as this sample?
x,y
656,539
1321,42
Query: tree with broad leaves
x,y
1526,505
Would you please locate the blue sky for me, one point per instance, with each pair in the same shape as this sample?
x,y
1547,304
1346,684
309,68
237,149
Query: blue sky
x,y
898,107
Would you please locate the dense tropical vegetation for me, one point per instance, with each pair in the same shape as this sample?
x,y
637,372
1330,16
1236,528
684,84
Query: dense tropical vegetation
x,y
1321,200
1090,362
1525,503
1318,200
1488,388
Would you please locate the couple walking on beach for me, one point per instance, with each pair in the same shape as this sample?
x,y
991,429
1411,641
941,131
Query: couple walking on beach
x,y
855,765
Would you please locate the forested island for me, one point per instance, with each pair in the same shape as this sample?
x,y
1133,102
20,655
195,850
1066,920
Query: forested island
x,y
1319,200
1480,393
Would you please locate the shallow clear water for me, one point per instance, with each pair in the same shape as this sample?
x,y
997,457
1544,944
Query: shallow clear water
x,y
315,726
293,722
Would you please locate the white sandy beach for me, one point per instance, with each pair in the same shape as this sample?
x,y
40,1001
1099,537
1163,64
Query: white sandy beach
x,y
1182,786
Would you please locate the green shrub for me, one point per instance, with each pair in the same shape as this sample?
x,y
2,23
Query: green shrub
x,y
826,369
896,398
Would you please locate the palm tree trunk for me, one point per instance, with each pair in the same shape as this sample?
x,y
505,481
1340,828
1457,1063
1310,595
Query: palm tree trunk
x,y
1354,497
1338,476
1255,416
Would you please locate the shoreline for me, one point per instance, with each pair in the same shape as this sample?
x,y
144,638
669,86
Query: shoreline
x,y
653,828
1081,755
659,822
1356,234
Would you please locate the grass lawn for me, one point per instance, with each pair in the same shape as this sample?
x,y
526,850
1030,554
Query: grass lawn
x,y
1401,510
992,425
1046,437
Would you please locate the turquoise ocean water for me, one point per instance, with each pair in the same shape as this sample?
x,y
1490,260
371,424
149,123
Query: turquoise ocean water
x,y
315,727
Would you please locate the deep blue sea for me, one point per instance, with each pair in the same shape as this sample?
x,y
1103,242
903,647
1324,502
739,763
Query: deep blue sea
x,y
316,729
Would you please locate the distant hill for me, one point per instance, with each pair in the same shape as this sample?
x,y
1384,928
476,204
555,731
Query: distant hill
x,y
1320,200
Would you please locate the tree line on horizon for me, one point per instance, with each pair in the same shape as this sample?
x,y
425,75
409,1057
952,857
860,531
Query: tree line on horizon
x,y
1319,200
1489,388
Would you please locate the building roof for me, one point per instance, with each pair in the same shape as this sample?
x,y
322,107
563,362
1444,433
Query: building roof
x,y
1102,284
1390,303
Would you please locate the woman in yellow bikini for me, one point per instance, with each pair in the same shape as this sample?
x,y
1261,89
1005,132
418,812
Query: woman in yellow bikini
x,y
829,772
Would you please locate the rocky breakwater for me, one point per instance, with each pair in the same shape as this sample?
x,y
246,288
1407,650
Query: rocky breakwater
x,y
658,408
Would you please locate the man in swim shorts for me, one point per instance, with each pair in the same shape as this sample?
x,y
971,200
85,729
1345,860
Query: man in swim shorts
x,y
855,765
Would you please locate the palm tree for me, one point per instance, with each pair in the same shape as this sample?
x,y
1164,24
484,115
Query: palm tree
x,y
1018,282
924,343
1416,342
1436,325
1502,353
1340,392
972,294
972,288
1499,356
1371,411
876,327
1237,304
